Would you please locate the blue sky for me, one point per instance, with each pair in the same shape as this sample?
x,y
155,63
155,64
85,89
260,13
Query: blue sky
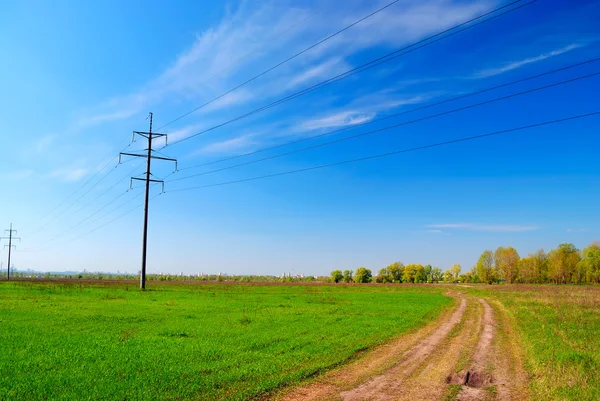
x,y
79,77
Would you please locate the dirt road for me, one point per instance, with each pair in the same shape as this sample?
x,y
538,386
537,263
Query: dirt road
x,y
467,354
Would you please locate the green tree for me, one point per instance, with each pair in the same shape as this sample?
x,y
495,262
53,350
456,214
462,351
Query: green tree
x,y
590,263
448,277
436,274
455,271
384,276
506,261
395,270
527,273
413,273
562,264
540,259
484,267
337,276
468,277
348,278
426,274
533,268
362,275
452,275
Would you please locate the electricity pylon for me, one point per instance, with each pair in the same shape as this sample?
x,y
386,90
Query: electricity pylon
x,y
149,156
10,246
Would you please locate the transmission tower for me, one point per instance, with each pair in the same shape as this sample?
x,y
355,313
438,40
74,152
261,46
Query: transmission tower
x,y
10,246
149,156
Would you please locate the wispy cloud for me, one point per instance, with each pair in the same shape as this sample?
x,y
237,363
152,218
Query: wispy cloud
x,y
42,143
341,119
454,225
395,100
229,100
182,133
115,109
242,142
483,227
400,24
518,64
15,175
69,174
328,68
210,65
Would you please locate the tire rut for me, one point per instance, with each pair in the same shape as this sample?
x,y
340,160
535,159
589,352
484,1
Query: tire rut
x,y
478,376
387,385
421,365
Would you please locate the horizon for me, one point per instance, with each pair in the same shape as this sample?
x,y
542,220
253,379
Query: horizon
x,y
524,174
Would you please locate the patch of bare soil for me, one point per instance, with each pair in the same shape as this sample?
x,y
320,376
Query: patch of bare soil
x,y
387,385
479,373
511,379
404,351
428,381
470,340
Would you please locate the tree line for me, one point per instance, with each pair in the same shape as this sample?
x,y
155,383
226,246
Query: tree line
x,y
564,265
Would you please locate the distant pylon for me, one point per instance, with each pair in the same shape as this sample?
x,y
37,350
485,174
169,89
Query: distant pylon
x,y
149,156
10,246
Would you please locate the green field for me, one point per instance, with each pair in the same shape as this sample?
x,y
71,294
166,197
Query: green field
x,y
559,328
209,342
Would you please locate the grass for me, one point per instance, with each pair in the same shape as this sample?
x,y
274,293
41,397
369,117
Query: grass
x,y
209,342
452,392
559,328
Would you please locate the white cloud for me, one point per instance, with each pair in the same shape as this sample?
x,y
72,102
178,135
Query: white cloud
x,y
341,119
261,37
230,145
229,100
69,174
16,175
399,24
435,231
484,227
182,133
395,101
456,225
328,68
115,109
42,143
518,64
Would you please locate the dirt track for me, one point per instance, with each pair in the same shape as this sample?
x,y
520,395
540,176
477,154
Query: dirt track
x,y
465,355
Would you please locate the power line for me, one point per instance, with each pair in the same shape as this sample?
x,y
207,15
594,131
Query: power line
x,y
373,63
75,226
97,211
85,222
108,189
44,226
78,189
82,223
392,126
284,61
296,141
268,40
438,144
148,156
116,208
117,217
10,247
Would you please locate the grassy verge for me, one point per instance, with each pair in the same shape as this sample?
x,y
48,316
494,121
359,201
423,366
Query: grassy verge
x,y
559,327
69,341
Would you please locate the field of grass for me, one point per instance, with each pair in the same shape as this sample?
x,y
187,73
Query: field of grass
x,y
560,331
209,342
